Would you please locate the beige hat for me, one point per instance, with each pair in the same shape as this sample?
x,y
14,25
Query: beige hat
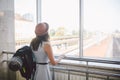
x,y
41,29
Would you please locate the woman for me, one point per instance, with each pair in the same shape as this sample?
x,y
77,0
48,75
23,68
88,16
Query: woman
x,y
43,52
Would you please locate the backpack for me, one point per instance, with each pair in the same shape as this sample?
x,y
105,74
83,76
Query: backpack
x,y
29,65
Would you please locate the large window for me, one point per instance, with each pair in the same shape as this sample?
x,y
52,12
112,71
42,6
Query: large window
x,y
25,21
63,18
97,22
101,28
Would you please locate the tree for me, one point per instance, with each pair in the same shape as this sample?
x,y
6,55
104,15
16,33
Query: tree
x,y
60,31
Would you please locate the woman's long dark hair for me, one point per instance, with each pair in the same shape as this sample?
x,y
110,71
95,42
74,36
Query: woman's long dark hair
x,y
38,40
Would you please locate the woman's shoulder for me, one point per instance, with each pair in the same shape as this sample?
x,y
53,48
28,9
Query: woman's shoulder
x,y
46,42
46,45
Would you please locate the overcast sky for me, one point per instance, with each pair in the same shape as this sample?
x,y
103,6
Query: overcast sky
x,y
61,13
103,15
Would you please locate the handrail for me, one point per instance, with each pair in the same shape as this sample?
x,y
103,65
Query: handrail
x,y
5,61
98,60
8,52
5,52
87,71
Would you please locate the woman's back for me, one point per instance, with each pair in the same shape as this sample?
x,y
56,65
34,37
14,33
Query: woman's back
x,y
40,54
42,68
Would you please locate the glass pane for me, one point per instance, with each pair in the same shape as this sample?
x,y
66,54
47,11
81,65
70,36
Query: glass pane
x,y
63,18
25,21
101,28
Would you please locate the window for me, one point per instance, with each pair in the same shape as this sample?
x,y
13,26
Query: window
x,y
101,28
63,18
25,21
97,22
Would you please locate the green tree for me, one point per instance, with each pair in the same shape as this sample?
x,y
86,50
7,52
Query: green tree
x,y
60,31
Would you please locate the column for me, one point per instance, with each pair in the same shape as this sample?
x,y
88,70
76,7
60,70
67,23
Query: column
x,y
7,38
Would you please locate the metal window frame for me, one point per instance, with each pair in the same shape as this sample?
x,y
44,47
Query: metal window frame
x,y
81,29
38,10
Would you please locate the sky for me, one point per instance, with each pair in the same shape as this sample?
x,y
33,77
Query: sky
x,y
102,15
58,13
61,13
25,6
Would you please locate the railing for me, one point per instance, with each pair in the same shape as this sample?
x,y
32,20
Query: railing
x,y
87,76
7,56
5,73
83,74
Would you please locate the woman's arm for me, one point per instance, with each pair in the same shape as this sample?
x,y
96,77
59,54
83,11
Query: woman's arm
x,y
48,50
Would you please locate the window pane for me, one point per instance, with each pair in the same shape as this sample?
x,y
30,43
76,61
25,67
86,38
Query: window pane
x,y
63,18
25,21
101,28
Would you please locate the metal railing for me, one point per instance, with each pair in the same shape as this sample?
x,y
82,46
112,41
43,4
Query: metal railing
x,y
87,71
7,56
5,73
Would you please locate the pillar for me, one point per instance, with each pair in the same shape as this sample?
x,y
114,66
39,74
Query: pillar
x,y
7,38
